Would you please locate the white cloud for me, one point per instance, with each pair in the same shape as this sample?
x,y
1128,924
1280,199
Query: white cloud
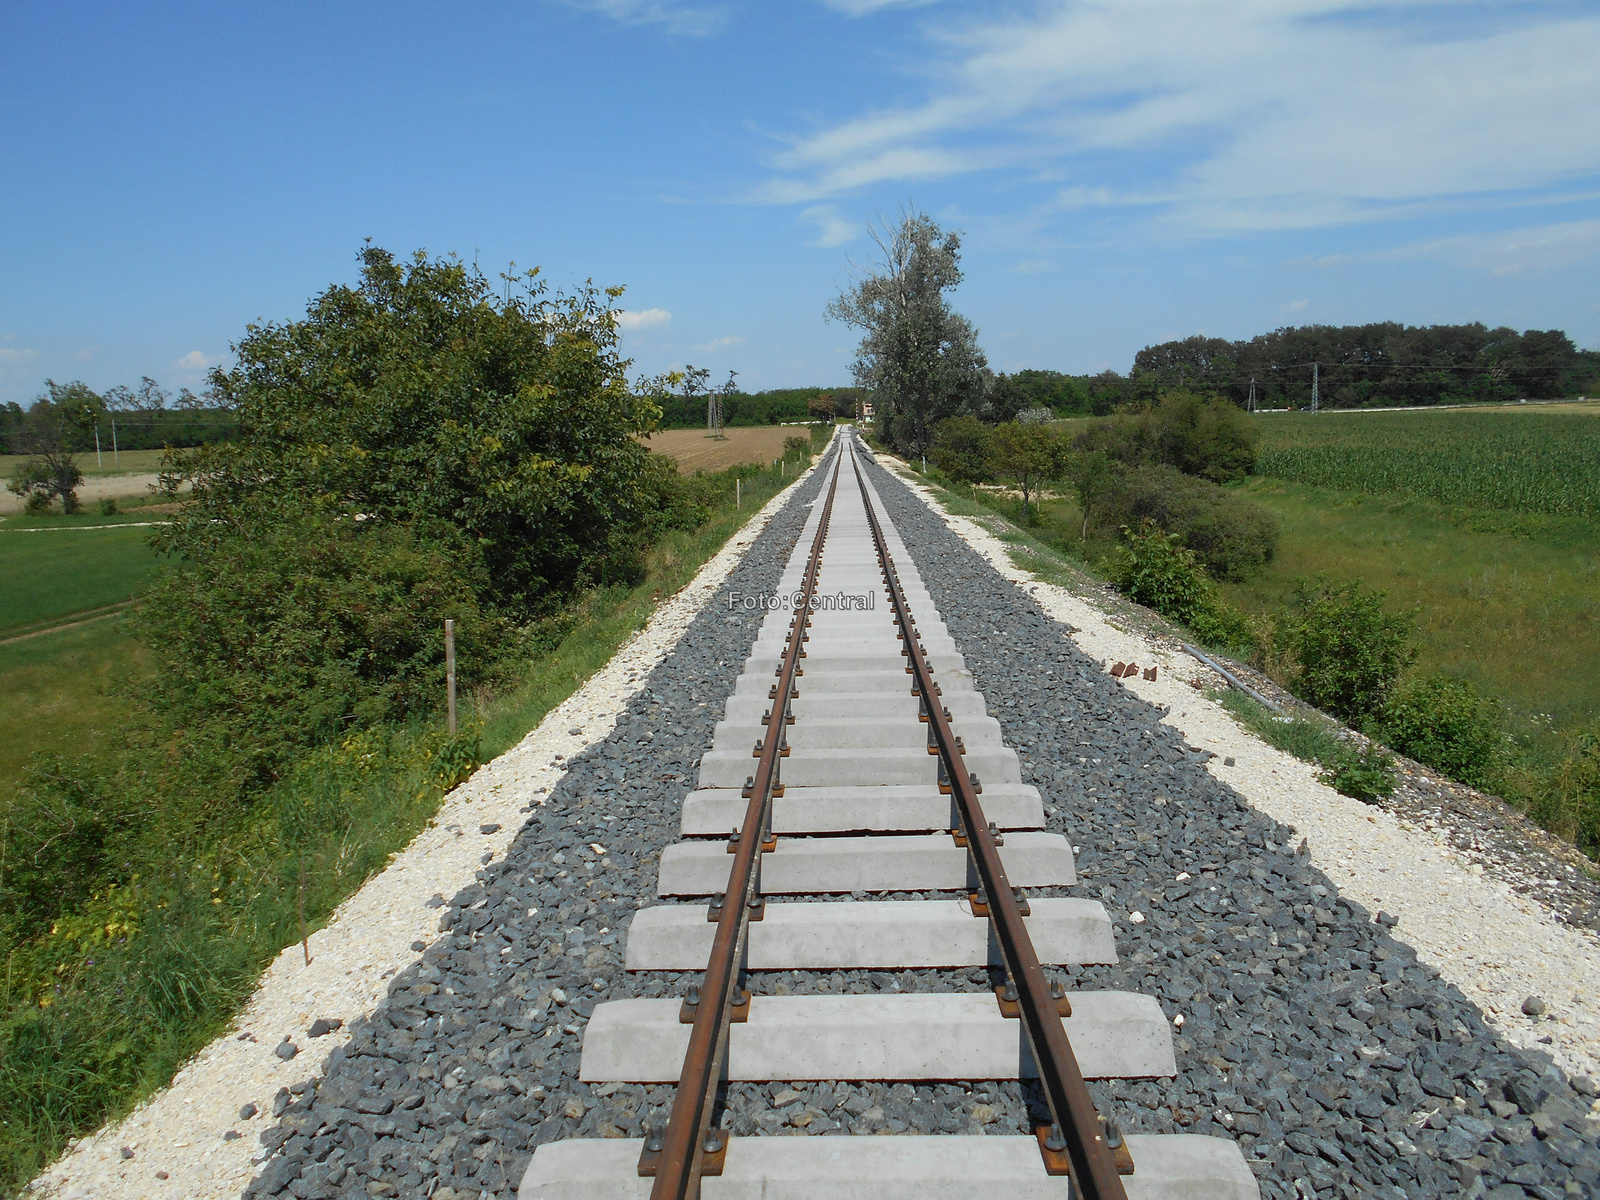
x,y
1239,114
721,343
860,8
85,354
689,19
833,228
648,318
1296,306
194,361
1033,266
1511,252
11,356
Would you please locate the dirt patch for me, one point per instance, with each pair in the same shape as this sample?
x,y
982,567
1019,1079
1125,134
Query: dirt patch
x,y
95,488
694,451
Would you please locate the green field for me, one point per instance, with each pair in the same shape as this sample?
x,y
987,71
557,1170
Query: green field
x,y
1527,460
1511,603
62,646
48,576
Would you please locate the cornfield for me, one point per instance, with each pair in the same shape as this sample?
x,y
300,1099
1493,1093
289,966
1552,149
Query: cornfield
x,y
1514,460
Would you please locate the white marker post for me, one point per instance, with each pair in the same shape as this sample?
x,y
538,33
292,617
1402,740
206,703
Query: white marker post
x,y
450,671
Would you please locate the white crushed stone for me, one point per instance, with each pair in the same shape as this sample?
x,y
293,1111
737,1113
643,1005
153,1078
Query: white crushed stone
x,y
180,1130
1495,945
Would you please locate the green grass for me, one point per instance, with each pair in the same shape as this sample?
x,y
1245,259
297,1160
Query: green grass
x,y
1512,605
46,577
62,691
1516,459
91,1023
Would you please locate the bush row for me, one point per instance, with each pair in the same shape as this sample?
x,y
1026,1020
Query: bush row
x,y
1338,647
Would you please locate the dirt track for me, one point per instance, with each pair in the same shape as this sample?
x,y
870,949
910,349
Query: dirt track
x,y
95,488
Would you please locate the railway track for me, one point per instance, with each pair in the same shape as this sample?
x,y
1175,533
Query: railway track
x,y
856,758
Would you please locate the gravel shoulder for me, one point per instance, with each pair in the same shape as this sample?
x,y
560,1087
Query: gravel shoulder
x,y
178,1139
1500,908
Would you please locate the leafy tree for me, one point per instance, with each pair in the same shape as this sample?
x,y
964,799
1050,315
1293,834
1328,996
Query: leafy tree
x,y
1094,477
918,357
961,449
1024,454
415,448
53,433
820,408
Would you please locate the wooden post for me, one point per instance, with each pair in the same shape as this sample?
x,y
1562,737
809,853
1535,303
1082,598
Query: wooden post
x,y
450,671
305,942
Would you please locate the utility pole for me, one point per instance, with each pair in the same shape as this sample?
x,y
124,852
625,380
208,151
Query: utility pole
x,y
1250,405
98,461
116,457
1314,398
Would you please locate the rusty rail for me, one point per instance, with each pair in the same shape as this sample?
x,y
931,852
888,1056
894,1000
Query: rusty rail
x,y
1079,1133
690,1146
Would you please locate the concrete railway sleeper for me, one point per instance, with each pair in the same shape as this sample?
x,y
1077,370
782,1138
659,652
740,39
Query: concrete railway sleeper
x,y
861,785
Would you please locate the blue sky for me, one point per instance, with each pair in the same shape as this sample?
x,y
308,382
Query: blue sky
x,y
1124,172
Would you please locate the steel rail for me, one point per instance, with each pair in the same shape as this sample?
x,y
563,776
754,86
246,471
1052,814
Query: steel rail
x,y
689,1139
1090,1160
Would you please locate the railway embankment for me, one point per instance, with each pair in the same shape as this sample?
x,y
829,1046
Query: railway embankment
x,y
1345,990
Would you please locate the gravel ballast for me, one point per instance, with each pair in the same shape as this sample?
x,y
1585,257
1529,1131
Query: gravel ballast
x,y
1303,1029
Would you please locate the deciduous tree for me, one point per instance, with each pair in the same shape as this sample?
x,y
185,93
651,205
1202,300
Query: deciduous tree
x,y
918,357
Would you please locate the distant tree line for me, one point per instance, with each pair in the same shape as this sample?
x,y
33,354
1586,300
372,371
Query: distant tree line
x,y
143,418
1384,364
777,407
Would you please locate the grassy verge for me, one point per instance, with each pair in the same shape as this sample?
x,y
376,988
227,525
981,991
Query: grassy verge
x,y
1361,773
103,1010
63,691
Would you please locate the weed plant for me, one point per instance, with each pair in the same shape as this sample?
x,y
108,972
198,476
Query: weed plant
x,y
1365,774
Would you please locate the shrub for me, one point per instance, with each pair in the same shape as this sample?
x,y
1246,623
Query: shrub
x,y
1569,802
38,504
1156,570
961,449
108,507
1445,724
1233,536
1199,435
796,445
1360,774
1346,648
316,625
